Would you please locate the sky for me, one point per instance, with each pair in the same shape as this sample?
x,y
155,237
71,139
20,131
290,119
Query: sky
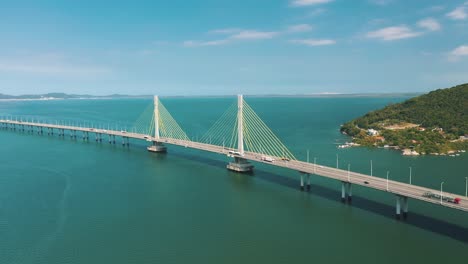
x,y
224,47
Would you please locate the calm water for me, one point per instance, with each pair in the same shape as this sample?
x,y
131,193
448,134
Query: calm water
x,y
67,201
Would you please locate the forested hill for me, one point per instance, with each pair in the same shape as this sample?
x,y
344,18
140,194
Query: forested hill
x,y
443,108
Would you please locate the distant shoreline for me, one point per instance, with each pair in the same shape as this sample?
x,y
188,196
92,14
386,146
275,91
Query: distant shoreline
x,y
56,99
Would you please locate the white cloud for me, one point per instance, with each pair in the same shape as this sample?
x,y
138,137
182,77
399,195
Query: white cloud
x,y
436,8
316,12
459,13
393,33
309,2
225,31
299,28
239,35
380,2
194,43
253,35
459,52
313,42
430,24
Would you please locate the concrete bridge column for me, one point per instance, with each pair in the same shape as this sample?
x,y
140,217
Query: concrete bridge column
x,y
343,192
125,141
157,147
306,182
350,191
405,206
85,135
99,137
302,181
398,207
240,165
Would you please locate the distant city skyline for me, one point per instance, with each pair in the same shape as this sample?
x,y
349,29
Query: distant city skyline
x,y
223,47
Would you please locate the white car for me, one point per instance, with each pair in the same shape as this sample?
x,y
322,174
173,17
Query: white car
x,y
268,159
232,152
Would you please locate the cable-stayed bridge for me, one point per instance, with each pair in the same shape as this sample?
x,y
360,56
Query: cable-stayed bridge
x,y
241,135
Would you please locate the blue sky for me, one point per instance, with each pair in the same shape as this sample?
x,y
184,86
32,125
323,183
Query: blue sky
x,y
227,47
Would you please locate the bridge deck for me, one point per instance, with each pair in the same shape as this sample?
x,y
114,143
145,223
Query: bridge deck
x,y
398,188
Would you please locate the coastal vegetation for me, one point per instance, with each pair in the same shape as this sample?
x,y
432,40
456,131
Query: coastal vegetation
x,y
434,123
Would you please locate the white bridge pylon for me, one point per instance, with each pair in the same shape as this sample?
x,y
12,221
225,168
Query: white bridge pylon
x,y
240,124
244,131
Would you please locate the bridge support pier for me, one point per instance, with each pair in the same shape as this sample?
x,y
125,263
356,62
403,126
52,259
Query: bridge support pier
x,y
343,192
157,147
350,192
405,206
125,141
398,207
346,191
85,136
401,205
302,181
240,165
306,182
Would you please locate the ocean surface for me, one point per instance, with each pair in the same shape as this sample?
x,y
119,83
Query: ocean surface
x,y
70,201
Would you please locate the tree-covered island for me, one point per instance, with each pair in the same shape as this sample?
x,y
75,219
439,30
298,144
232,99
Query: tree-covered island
x,y
434,123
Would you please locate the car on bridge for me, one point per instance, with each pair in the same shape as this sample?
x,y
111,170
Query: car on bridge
x,y
232,152
267,159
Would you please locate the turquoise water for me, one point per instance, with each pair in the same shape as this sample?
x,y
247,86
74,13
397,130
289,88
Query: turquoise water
x,y
69,201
